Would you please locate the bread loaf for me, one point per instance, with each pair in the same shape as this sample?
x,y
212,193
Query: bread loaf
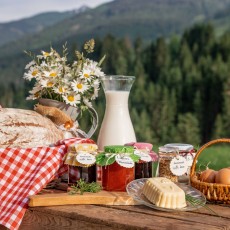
x,y
26,128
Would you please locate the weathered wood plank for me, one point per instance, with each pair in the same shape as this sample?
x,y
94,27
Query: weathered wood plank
x,y
35,220
117,217
200,216
220,211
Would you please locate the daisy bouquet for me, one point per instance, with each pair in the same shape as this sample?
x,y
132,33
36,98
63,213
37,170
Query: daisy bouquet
x,y
76,83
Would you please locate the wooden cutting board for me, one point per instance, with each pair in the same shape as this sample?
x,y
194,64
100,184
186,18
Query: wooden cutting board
x,y
63,198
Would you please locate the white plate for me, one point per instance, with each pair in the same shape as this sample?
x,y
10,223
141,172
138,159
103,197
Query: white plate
x,y
134,189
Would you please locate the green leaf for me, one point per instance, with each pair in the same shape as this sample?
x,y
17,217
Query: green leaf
x,y
102,59
134,157
100,159
110,160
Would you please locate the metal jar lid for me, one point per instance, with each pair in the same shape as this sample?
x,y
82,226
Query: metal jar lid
x,y
182,147
164,149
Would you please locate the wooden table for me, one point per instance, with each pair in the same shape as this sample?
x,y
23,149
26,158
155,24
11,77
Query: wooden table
x,y
102,217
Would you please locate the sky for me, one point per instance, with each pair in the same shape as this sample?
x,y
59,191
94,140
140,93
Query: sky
x,y
11,10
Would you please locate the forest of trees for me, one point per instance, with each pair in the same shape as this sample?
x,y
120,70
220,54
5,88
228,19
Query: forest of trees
x,y
182,87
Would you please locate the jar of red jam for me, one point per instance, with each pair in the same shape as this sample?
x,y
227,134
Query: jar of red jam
x,y
117,167
143,168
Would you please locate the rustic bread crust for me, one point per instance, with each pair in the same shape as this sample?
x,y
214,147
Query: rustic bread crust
x,y
26,128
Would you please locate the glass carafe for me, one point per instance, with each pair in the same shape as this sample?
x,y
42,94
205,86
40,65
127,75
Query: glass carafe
x,y
117,127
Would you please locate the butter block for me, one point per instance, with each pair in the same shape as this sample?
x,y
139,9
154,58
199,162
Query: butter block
x,y
164,193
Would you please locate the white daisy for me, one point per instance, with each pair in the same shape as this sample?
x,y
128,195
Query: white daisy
x,y
47,83
72,99
98,72
52,73
87,102
43,64
32,73
96,83
96,87
35,93
46,54
30,64
60,89
94,68
95,94
79,86
90,64
85,73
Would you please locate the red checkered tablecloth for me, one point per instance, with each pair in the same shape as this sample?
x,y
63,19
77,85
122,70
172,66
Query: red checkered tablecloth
x,y
24,172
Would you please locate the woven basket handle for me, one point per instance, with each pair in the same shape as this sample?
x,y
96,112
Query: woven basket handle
x,y
222,140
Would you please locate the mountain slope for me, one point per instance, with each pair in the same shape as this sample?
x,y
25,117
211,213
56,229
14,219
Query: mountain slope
x,y
147,19
134,18
15,30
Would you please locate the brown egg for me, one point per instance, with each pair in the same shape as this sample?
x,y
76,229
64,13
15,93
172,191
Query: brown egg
x,y
223,176
208,176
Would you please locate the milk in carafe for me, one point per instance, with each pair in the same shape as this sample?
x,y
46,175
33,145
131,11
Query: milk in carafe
x,y
116,128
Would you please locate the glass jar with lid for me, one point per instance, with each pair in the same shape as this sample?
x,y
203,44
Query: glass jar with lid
x,y
166,154
143,168
117,163
188,152
81,159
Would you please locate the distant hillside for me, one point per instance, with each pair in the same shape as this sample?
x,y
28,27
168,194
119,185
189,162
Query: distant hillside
x,y
221,20
15,30
147,19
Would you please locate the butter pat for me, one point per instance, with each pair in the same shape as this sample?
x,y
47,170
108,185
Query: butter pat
x,y
164,193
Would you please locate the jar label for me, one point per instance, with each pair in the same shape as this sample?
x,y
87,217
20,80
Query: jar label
x,y
143,154
85,158
124,161
189,159
178,165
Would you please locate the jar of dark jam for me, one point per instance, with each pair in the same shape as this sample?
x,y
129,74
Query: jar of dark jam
x,y
81,159
143,168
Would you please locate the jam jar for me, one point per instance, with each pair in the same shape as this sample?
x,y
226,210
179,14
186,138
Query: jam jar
x,y
143,168
81,159
166,154
117,167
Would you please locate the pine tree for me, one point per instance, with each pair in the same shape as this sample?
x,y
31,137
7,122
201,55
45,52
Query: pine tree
x,y
226,110
188,129
218,131
142,126
201,39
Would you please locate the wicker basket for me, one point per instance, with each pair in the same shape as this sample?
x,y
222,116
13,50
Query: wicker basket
x,y
214,192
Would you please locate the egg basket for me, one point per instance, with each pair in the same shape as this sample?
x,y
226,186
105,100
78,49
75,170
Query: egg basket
x,y
214,192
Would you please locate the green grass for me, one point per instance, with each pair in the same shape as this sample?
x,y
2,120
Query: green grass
x,y
218,156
